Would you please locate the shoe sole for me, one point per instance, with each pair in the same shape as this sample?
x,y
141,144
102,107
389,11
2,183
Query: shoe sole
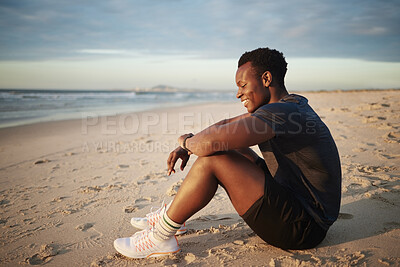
x,y
159,254
152,255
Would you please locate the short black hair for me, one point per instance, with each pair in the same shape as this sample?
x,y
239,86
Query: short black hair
x,y
266,59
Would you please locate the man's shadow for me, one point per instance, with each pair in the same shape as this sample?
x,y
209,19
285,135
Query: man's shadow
x,y
365,218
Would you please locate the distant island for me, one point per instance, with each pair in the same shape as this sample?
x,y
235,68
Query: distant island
x,y
162,88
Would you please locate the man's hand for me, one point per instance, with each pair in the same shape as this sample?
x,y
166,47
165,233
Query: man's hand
x,y
178,153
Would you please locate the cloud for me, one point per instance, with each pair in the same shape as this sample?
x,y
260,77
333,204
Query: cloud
x,y
45,29
103,51
372,31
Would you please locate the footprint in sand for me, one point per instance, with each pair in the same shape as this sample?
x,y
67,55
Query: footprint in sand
x,y
92,237
224,255
373,169
43,256
130,209
4,202
386,126
142,202
307,260
372,119
91,189
97,188
351,190
340,259
108,260
84,227
393,261
173,190
373,106
162,176
147,179
392,137
389,156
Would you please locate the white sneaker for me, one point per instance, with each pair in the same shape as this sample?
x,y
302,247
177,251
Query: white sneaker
x,y
153,217
143,244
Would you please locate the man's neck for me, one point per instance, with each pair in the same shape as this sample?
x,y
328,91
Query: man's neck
x,y
277,93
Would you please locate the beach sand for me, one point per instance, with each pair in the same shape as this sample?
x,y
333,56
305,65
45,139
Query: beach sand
x,y
69,188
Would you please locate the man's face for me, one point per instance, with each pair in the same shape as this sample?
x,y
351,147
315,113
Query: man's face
x,y
251,89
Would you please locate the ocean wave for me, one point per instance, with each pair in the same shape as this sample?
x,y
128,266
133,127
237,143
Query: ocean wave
x,y
50,104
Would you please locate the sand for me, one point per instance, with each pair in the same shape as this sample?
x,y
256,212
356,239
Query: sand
x,y
69,188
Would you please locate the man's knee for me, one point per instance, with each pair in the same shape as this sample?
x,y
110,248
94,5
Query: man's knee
x,y
205,161
218,159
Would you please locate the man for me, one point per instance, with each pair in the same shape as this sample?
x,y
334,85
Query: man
x,y
289,200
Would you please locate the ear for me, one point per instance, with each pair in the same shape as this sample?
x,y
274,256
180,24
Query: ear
x,y
267,78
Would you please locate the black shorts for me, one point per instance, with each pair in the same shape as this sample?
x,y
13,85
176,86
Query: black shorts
x,y
281,220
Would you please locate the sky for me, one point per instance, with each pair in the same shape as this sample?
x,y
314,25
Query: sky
x,y
195,44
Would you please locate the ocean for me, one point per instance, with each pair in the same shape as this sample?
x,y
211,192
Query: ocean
x,y
19,107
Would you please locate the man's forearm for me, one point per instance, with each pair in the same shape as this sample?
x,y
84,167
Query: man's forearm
x,y
204,138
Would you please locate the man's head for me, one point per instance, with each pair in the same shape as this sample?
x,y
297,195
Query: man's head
x,y
265,59
260,78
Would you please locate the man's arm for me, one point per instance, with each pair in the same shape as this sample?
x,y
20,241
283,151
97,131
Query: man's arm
x,y
184,155
225,121
240,132
245,151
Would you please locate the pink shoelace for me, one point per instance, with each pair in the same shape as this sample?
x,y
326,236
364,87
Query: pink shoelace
x,y
142,241
154,216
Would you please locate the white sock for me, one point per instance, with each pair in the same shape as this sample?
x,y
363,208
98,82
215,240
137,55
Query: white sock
x,y
165,228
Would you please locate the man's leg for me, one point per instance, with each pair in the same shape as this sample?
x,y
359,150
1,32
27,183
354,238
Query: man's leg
x,y
242,179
